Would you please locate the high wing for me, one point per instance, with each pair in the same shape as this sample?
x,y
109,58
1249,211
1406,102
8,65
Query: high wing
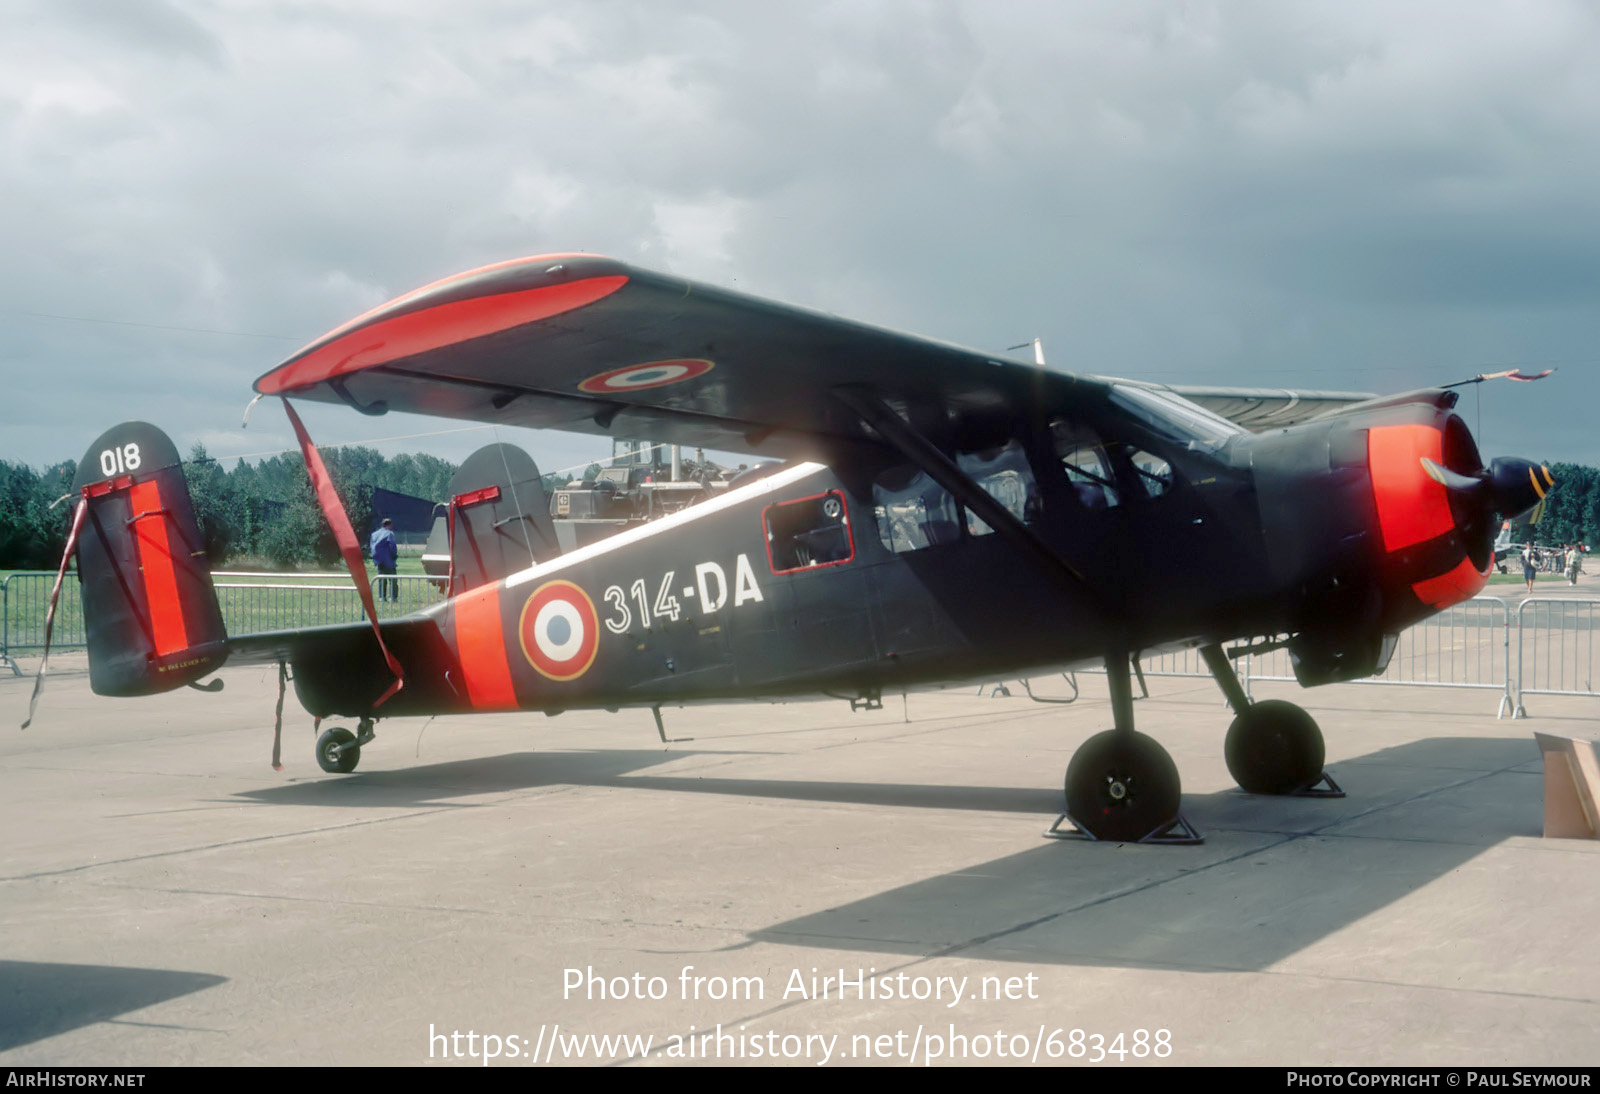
x,y
591,345
588,344
1257,409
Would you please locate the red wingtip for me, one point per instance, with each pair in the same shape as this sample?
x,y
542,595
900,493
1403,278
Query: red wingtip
x,y
392,330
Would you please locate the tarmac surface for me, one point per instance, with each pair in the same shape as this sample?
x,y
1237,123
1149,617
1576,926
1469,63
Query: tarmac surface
x,y
167,898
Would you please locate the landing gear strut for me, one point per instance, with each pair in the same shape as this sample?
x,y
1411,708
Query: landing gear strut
x,y
1121,785
339,750
1273,747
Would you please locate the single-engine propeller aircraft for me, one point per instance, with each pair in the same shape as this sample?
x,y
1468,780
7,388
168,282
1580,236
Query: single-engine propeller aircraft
x,y
942,516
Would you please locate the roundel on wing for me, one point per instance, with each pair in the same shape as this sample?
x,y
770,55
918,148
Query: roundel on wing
x,y
559,631
650,374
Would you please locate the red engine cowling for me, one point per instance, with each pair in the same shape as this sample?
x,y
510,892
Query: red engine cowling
x,y
1437,506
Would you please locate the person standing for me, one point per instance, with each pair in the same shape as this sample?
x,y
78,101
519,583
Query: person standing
x,y
385,555
1530,565
1574,563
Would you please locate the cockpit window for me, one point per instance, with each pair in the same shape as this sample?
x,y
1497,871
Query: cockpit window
x,y
1088,469
1154,473
1175,418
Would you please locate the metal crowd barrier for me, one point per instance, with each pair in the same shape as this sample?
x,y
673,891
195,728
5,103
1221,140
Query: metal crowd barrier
x,y
24,598
1468,646
271,602
250,602
1555,647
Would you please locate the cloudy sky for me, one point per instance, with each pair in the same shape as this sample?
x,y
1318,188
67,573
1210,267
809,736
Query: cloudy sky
x,y
1355,195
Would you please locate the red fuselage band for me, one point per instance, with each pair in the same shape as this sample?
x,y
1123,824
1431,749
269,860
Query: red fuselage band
x,y
481,648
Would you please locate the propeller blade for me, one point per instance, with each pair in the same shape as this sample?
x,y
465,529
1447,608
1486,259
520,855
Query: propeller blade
x,y
1452,480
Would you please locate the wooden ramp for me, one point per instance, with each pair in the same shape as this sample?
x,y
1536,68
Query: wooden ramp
x,y
1571,787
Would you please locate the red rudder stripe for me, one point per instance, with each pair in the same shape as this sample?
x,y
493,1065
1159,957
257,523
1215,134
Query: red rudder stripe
x,y
156,568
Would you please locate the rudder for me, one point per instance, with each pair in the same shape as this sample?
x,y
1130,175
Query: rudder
x,y
149,606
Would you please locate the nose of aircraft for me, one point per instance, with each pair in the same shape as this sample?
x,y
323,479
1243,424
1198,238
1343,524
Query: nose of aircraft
x,y
1436,507
1508,486
1518,485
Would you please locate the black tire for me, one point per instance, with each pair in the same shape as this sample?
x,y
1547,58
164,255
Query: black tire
x,y
1274,747
1122,787
337,751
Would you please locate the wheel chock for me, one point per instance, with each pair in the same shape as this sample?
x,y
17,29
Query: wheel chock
x,y
1176,832
1324,787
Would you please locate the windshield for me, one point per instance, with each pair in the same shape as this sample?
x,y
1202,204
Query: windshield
x,y
1175,418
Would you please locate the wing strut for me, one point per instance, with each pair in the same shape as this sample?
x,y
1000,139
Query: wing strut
x,y
339,521
55,593
941,469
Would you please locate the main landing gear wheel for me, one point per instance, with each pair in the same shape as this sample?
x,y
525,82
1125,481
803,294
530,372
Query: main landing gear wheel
x,y
337,751
1123,787
1274,747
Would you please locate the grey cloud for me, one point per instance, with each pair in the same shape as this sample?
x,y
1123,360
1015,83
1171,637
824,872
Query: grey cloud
x,y
153,25
1339,195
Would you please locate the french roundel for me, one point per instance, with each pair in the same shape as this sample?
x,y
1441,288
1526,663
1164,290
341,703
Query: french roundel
x,y
648,375
559,631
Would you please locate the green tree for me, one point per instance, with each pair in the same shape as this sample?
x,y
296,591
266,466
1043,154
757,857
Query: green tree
x,y
292,529
32,533
214,507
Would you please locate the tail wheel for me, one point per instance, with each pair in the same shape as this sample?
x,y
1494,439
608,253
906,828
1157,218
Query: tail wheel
x,y
337,751
1274,747
1122,786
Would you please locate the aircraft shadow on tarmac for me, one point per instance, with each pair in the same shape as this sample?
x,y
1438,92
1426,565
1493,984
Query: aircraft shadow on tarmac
x,y
1275,875
43,999
438,784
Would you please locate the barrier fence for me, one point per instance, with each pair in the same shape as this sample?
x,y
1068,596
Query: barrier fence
x,y
1466,647
250,603
1555,647
1469,646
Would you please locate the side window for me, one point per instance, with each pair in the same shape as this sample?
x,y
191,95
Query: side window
x,y
808,533
913,511
1154,473
1005,476
1084,461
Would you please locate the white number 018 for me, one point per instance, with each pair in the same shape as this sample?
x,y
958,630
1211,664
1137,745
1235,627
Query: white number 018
x,y
116,460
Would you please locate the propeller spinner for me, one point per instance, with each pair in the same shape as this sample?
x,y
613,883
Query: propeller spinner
x,y
1508,486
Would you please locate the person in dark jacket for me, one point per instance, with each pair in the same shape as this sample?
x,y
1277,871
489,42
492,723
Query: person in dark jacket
x,y
385,555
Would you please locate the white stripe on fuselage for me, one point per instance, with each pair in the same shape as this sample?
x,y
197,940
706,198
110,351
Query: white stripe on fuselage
x,y
787,477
